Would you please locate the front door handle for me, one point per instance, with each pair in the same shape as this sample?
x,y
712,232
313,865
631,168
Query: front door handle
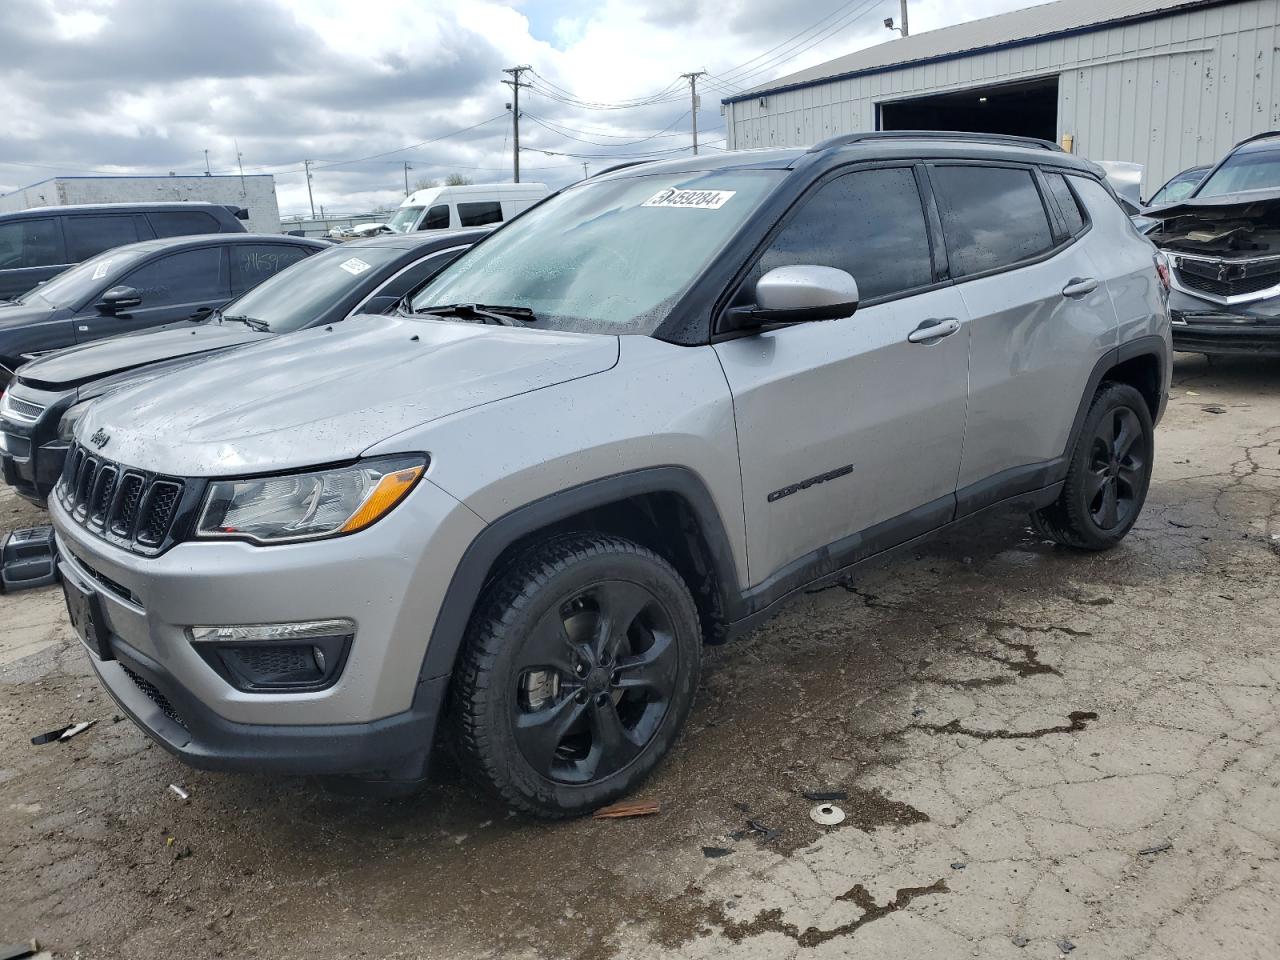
x,y
932,330
1079,287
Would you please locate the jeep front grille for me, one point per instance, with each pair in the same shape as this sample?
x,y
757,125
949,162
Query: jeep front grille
x,y
129,507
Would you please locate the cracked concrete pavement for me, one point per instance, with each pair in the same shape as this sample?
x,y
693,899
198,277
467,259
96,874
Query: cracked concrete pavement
x,y
1041,750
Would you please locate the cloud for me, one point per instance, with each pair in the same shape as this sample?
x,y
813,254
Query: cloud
x,y
146,86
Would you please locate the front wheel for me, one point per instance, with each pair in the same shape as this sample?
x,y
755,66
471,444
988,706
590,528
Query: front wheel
x,y
1108,476
579,669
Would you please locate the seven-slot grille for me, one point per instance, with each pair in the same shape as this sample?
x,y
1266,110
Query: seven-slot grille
x,y
119,503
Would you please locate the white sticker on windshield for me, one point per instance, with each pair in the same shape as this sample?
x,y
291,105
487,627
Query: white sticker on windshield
x,y
355,266
101,269
698,199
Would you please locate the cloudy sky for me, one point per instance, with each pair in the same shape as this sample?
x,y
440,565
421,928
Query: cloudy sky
x,y
146,86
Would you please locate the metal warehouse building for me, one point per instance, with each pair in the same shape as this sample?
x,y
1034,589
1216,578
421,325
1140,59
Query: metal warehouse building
x,y
1163,83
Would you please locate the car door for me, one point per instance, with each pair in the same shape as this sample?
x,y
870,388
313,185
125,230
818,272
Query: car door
x,y
31,251
251,263
850,433
174,286
1039,315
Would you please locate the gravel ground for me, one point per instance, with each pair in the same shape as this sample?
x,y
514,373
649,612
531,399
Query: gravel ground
x,y
1041,751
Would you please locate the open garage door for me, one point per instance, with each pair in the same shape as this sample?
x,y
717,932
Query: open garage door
x,y
1027,109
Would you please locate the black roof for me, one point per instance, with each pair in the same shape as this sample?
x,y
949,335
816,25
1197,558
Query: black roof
x,y
212,239
134,207
419,239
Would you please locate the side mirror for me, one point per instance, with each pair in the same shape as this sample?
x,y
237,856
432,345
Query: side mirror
x,y
119,298
797,294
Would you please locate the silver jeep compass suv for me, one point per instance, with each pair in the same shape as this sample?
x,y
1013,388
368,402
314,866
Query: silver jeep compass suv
x,y
634,420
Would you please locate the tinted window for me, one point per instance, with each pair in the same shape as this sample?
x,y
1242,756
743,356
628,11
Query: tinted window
x,y
29,243
478,214
255,262
87,236
1067,203
992,217
185,277
437,218
181,223
1248,170
870,224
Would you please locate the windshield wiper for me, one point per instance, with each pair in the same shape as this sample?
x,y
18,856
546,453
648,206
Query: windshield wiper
x,y
482,313
253,323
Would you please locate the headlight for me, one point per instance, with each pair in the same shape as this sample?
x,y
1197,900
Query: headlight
x,y
67,425
308,506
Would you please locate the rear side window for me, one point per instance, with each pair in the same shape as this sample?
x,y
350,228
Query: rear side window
x,y
182,223
1072,215
479,214
254,262
89,236
186,277
30,243
869,223
437,218
992,217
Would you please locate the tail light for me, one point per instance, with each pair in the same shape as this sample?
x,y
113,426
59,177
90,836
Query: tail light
x,y
1162,271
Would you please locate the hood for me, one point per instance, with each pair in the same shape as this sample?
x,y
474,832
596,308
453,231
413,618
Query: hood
x,y
1228,206
21,314
76,366
327,394
1238,226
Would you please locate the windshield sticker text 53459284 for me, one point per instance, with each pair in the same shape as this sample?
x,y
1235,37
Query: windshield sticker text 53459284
x,y
696,199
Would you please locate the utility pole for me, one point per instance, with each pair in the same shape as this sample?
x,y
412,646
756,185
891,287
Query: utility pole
x,y
515,83
406,178
306,165
584,170
905,32
207,171
240,162
693,100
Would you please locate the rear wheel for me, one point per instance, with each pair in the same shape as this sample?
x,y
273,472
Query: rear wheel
x,y
579,669
1109,473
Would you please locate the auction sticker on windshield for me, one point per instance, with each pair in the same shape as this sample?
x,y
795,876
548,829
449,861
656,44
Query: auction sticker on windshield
x,y
101,269
697,199
355,266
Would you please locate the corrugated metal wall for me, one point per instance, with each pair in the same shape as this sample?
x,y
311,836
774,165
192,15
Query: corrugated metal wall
x,y
1167,93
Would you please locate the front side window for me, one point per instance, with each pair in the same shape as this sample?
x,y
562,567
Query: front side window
x,y
1250,170
479,214
606,256
870,224
992,217
185,277
88,236
437,218
29,243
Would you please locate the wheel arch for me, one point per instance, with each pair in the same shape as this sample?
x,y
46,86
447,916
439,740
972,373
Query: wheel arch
x,y
667,509
1143,363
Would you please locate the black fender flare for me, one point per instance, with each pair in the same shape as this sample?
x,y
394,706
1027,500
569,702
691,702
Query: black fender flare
x,y
472,571
1151,345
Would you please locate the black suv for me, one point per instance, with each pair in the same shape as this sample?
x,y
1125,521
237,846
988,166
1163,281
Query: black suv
x,y
140,285
38,244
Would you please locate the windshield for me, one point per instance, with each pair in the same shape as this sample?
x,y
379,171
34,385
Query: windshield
x,y
606,256
74,287
299,294
1244,171
1179,188
404,219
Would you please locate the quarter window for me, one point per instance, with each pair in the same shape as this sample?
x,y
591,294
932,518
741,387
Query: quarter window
x,y
992,217
1067,203
869,223
181,223
479,214
437,218
89,236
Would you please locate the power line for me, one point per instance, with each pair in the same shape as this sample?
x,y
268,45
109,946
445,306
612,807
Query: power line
x,y
412,146
563,132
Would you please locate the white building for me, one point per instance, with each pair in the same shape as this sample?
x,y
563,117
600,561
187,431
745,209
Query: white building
x,y
256,193
1165,83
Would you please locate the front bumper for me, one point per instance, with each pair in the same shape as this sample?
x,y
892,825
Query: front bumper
x,y
377,718
1200,326
31,455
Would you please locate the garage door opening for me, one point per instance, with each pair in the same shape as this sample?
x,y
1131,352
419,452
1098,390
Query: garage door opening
x,y
1025,109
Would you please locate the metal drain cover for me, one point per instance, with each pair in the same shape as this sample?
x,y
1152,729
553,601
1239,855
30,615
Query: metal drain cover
x,y
826,814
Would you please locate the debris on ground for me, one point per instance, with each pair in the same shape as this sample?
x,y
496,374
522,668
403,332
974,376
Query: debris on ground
x,y
1020,941
767,834
958,865
62,733
918,712
1158,848
182,794
825,796
714,853
826,815
1214,408
16,951
1066,946
627,808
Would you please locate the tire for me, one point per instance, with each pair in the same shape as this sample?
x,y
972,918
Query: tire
x,y
555,732
1108,476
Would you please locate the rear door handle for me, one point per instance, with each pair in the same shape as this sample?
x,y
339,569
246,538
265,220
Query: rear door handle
x,y
1080,286
933,329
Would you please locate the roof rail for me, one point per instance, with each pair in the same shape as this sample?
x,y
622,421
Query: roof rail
x,y
1257,136
847,139
618,166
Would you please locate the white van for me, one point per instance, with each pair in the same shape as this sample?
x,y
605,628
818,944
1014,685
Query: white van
x,y
472,205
